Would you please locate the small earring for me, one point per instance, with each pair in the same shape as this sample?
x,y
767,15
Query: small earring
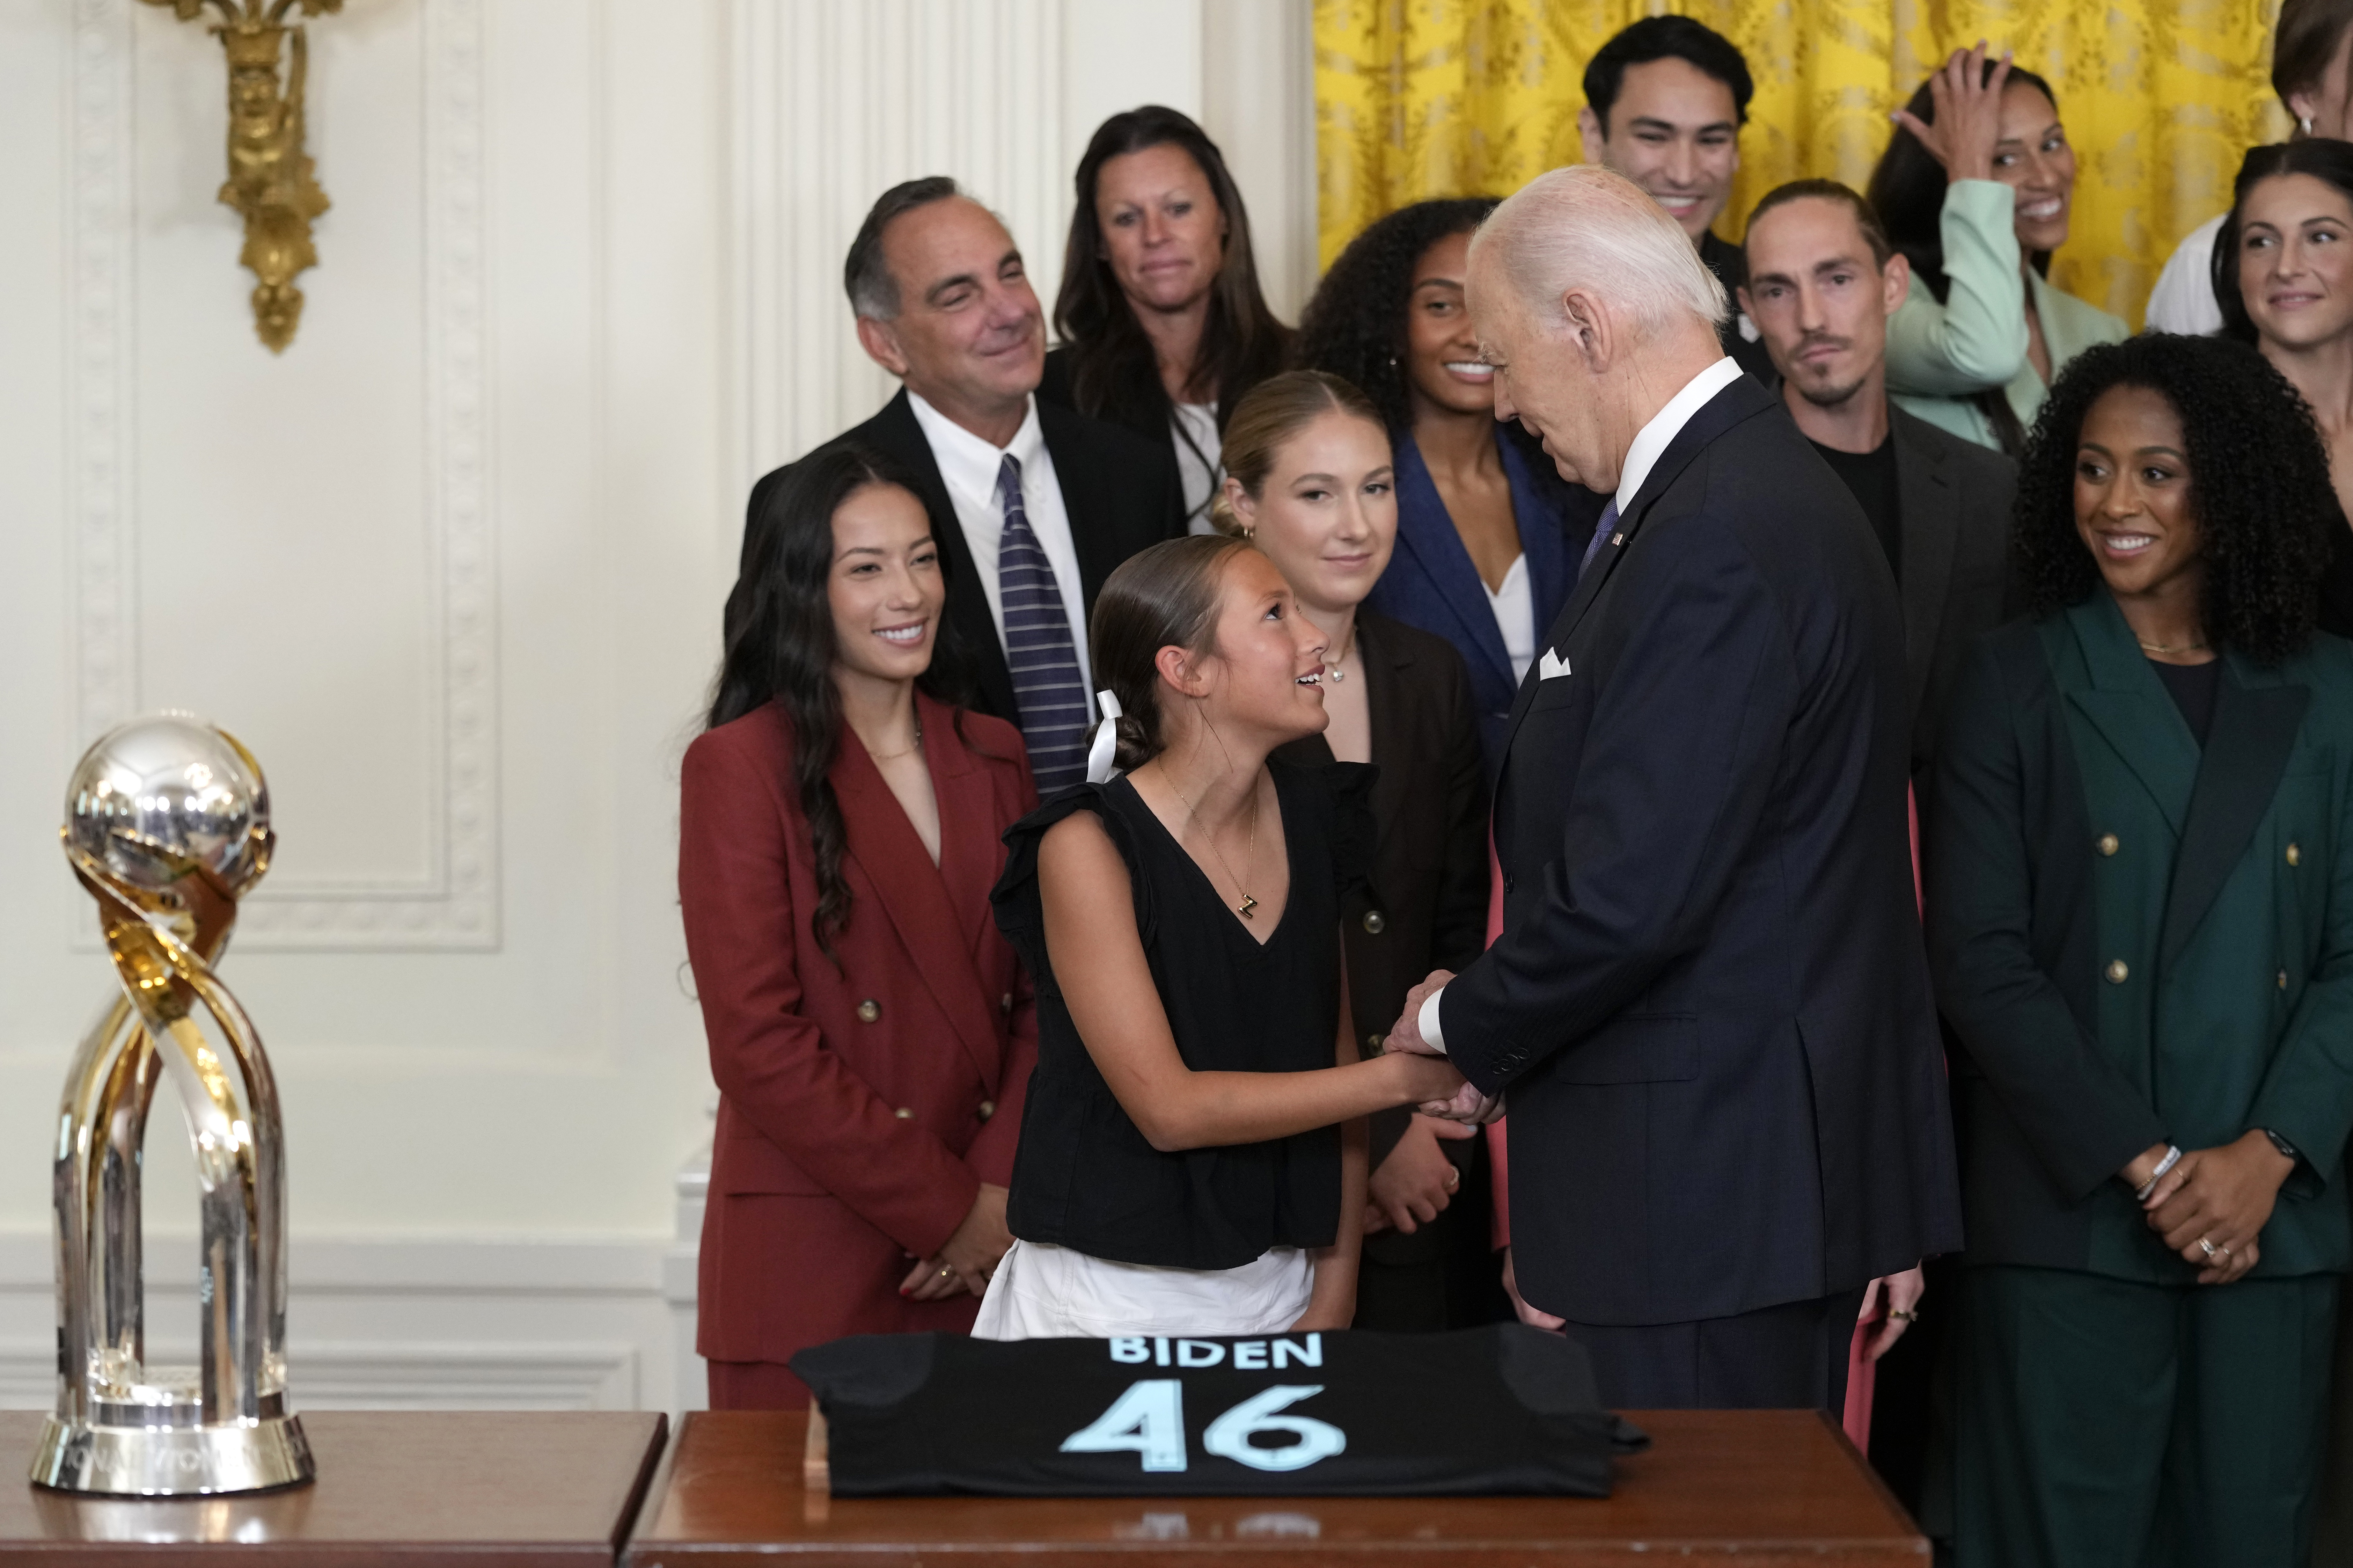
x,y
2307,125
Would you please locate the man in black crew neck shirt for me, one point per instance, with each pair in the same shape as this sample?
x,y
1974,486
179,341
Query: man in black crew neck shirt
x,y
1823,282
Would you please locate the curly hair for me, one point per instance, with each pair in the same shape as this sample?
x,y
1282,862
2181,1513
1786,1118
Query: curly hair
x,y
2258,483
1355,326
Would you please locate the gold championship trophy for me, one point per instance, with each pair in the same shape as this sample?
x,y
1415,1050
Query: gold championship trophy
x,y
167,824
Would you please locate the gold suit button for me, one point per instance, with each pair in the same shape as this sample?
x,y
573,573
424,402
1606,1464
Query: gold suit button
x,y
2108,845
1005,1003
1376,922
2295,855
2117,973
869,1011
1374,1043
903,1114
2283,979
987,1108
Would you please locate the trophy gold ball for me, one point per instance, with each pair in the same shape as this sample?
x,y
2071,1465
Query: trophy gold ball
x,y
167,826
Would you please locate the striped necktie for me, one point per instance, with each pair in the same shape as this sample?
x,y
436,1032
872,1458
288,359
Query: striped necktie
x,y
1037,647
1600,532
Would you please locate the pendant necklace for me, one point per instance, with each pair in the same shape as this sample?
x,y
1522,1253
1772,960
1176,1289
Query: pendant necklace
x,y
1333,669
1248,908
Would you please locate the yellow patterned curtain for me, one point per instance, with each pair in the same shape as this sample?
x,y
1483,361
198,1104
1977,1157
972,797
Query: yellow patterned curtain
x,y
1432,97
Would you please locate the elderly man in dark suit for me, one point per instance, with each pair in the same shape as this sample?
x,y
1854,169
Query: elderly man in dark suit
x,y
1709,1002
1821,282
1032,505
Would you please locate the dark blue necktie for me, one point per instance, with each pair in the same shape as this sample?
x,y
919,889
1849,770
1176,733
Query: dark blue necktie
x,y
1600,532
1038,645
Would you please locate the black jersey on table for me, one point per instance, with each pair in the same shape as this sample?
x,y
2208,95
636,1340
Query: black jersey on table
x,y
1085,1177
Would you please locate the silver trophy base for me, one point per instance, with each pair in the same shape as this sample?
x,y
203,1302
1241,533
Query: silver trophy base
x,y
173,1462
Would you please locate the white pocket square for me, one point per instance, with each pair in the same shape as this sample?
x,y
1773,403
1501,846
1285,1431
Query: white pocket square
x,y
1551,666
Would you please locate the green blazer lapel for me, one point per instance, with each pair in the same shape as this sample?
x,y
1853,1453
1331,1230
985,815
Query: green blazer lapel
x,y
2126,703
2256,727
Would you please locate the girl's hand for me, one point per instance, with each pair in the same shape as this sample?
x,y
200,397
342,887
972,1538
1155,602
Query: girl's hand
x,y
1413,1185
1968,105
1902,1293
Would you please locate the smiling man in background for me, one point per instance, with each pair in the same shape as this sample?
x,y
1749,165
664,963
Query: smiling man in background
x,y
1664,102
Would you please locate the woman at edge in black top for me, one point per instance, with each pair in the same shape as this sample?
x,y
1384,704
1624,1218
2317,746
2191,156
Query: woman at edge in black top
x,y
1189,1162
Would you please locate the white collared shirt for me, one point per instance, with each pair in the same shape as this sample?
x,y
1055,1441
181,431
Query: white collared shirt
x,y
969,466
1650,444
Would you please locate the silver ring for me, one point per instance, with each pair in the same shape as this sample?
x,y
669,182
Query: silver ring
x,y
2208,1246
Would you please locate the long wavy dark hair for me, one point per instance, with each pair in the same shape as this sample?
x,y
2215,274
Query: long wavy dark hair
x,y
2258,483
2331,162
780,647
1114,373
1907,190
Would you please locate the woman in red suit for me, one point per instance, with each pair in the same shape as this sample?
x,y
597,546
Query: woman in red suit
x,y
870,1033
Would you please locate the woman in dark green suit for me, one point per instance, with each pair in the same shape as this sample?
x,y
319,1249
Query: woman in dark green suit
x,y
2142,929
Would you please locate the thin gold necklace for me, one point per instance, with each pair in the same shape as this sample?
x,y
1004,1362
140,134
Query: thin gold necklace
x,y
911,751
2168,647
1248,908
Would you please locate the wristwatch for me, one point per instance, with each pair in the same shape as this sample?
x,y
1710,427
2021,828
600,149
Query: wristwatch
x,y
2283,1145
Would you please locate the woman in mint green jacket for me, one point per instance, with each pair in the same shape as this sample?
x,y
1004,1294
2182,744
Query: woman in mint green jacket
x,y
2141,929
1975,188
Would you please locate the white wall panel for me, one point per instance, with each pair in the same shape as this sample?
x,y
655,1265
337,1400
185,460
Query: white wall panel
x,y
452,566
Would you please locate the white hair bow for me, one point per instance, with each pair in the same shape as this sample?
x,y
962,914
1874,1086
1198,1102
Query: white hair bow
x,y
1105,746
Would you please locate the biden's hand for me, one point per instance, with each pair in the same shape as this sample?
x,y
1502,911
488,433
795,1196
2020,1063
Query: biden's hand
x,y
1406,1034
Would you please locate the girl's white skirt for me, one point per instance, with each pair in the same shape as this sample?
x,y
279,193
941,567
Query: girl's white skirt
x,y
1046,1292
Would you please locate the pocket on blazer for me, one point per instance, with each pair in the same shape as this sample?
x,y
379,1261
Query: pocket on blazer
x,y
1661,1048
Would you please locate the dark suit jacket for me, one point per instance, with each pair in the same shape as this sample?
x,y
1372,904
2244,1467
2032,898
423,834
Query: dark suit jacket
x,y
1424,907
2139,940
1955,497
1709,1002
1431,584
1121,492
846,1142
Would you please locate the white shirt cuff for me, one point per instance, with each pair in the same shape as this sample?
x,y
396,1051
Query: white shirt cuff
x,y
1426,1022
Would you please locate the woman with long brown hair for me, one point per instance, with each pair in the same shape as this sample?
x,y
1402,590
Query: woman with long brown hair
x,y
1163,324
869,1033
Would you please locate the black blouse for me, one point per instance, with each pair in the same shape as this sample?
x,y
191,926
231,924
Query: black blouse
x,y
1084,1177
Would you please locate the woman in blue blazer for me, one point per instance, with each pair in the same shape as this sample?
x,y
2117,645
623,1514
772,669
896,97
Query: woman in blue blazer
x,y
1489,537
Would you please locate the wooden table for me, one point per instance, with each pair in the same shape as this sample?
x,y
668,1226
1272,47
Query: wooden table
x,y
480,1489
1773,1487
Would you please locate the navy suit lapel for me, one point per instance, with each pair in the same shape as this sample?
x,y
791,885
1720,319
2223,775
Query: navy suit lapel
x,y
2256,727
1426,533
1741,400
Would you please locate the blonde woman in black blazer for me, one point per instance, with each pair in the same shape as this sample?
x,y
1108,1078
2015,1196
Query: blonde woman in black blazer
x,y
1310,479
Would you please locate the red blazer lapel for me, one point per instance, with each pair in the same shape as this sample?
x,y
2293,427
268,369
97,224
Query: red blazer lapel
x,y
971,853
911,890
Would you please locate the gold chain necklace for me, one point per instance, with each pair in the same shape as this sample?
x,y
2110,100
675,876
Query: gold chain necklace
x,y
2164,648
893,756
1248,908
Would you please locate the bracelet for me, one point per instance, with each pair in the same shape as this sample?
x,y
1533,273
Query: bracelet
x,y
2173,1158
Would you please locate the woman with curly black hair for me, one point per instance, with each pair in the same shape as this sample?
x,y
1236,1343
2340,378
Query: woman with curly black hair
x,y
1489,536
2144,939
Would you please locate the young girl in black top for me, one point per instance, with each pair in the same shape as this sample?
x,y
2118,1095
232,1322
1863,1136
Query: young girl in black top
x,y
1191,1162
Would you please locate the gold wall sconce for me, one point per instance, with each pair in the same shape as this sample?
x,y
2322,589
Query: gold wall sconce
x,y
270,175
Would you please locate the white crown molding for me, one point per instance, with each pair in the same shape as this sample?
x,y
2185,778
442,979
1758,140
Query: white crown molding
x,y
456,906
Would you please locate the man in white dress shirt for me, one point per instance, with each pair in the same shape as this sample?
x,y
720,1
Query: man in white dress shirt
x,y
1032,506
1709,1003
